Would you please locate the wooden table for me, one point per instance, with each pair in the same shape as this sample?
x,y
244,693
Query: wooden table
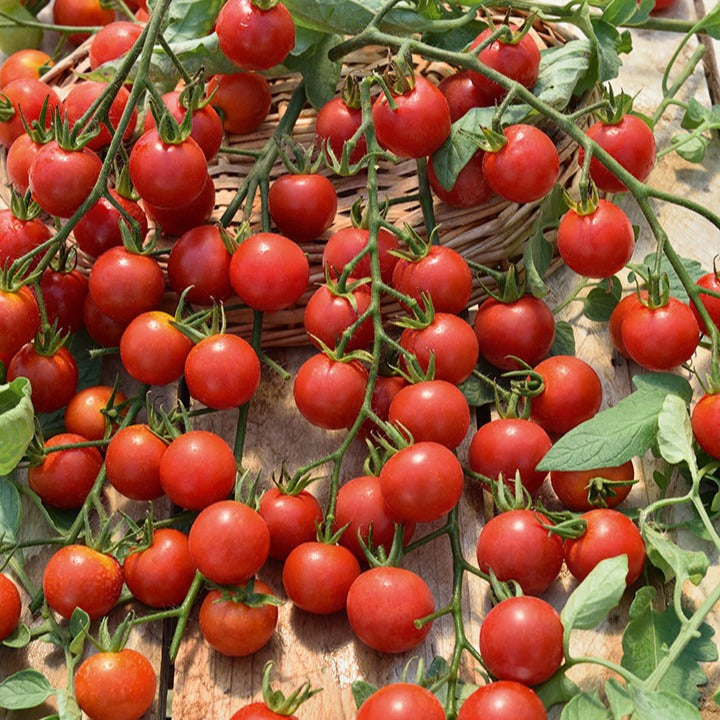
x,y
204,684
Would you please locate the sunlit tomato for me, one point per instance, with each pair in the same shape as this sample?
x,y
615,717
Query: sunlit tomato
x,y
105,331
462,94
10,607
343,246
243,100
19,237
84,414
576,491
335,124
383,605
292,519
469,189
81,13
708,281
26,95
327,315
176,221
18,159
705,422
113,41
401,701
19,321
64,295
302,206
501,700
25,63
160,575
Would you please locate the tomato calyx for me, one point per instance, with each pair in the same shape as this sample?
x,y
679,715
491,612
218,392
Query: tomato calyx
x,y
417,247
265,5
169,130
112,642
511,285
566,524
277,702
245,595
378,556
617,106
296,158
589,200
49,340
398,78
293,484
23,207
657,286
75,138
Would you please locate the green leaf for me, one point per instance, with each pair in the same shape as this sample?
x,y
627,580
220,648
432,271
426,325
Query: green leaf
x,y
673,560
647,637
68,708
564,343
690,148
9,511
711,22
17,425
558,689
478,391
25,689
596,595
585,706
716,697
17,38
19,638
609,45
187,19
79,626
59,520
320,73
675,435
627,12
361,691
599,303
662,705
456,39
561,68
692,267
621,432
619,699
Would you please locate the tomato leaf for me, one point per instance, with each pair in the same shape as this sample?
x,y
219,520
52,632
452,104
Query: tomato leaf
x,y
619,699
692,267
673,560
627,12
662,705
711,22
585,706
187,19
592,600
558,689
321,74
17,38
19,638
647,636
479,391
457,38
68,708
621,432
564,343
17,425
675,435
9,511
361,691
599,303
690,147
79,626
25,689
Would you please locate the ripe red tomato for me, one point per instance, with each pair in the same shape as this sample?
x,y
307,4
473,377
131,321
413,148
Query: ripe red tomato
x,y
105,331
358,508
302,206
660,338
259,711
515,546
229,542
572,394
292,519
24,63
384,390
26,95
382,606
462,94
10,607
521,639
346,244
64,295
500,700
617,318
317,576
327,315
433,410
235,629
573,486
19,237
596,245
519,61
113,41
243,99
115,685
78,576
509,445
253,38
712,304
81,13
705,419
19,321
526,168
198,469
18,159
269,272
160,576
524,328
84,413
335,124
421,482
65,477
330,393
132,462
176,221
630,142
470,188
401,701
608,534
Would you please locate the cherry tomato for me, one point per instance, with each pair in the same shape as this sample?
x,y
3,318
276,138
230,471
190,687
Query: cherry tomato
x,y
521,639
575,491
113,41
598,244
335,124
27,97
198,469
630,142
509,445
19,321
526,168
384,390
344,245
77,576
382,606
176,221
608,534
115,685
418,126
25,63
105,331
501,700
19,237
327,315
64,295
243,99
401,701
10,607
84,414
292,519
470,188
329,393
81,13
160,575
462,94
302,206
132,463
516,546
229,542
18,159
235,629
617,318
708,281
524,328
259,711
705,419
318,576
269,272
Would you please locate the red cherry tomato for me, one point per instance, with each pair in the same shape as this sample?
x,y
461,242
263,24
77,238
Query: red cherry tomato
x,y
705,419
470,188
335,124
64,295
328,315
26,95
81,13
575,492
10,607
708,281
292,519
617,318
384,390
401,701
243,99
25,63
462,94
113,41
105,331
346,244
19,321
302,206
18,159
85,414
500,700
259,711
176,221
19,237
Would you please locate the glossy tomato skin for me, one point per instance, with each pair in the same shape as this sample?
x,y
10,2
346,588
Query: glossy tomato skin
x,y
433,410
26,95
24,63
571,486
176,221
470,188
222,371
10,607
229,542
81,13
705,422
78,576
244,100
359,506
382,606
462,94
64,295
330,393
113,41
235,629
418,126
617,318
253,38
660,338
708,281
160,576
327,315
572,394
401,701
501,700
269,272
344,245
608,534
19,237
526,168
421,482
53,377
115,685
65,477
84,415
259,711
132,462
291,519
318,576
302,206
17,161
515,546
335,124
630,142
521,639
105,331
598,244
508,445
19,321
198,469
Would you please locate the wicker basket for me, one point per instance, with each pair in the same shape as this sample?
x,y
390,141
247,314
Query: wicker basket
x,y
492,234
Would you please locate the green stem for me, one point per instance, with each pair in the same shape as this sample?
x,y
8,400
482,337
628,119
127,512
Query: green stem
x,y
669,93
244,410
426,199
183,614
